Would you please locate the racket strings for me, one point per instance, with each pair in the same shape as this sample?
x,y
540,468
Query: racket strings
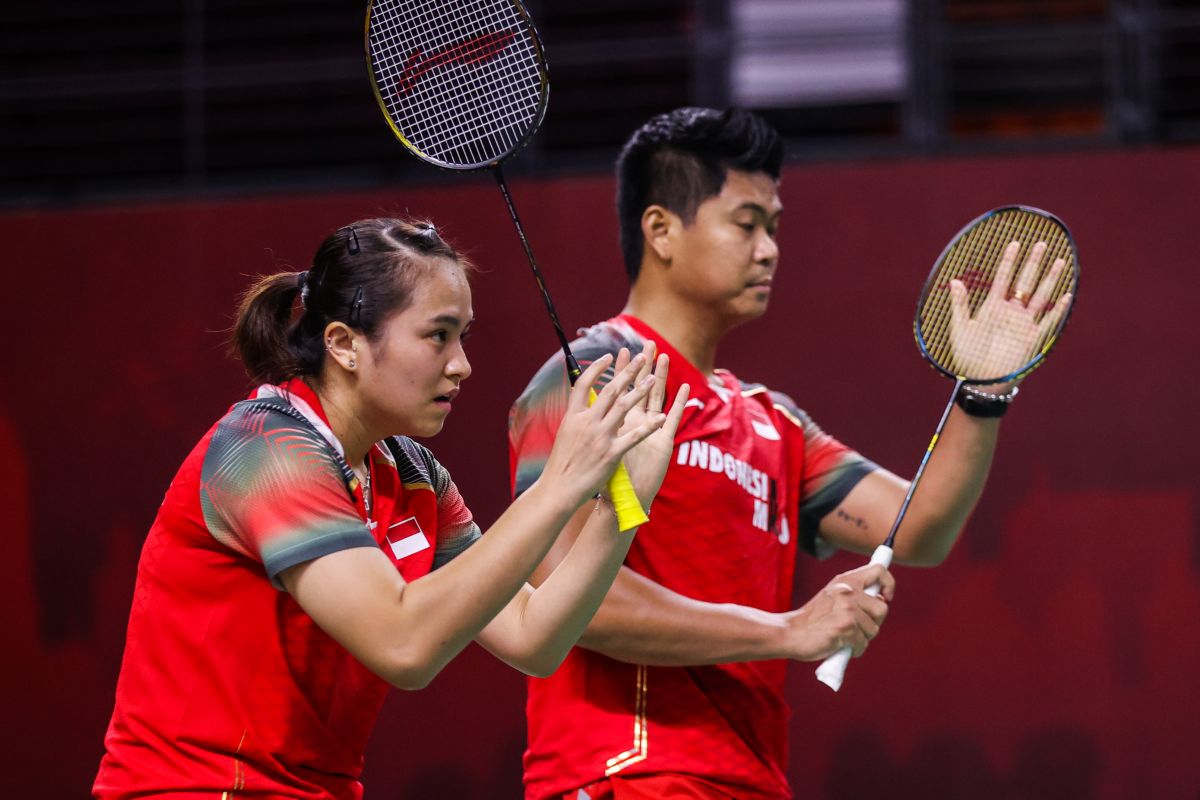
x,y
463,83
996,335
984,246
426,77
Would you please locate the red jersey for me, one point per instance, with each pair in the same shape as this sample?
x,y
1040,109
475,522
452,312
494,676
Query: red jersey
x,y
750,479
227,687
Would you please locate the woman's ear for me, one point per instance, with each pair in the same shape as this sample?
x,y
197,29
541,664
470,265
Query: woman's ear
x,y
341,344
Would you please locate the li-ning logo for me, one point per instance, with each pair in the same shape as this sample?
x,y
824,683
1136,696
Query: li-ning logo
x,y
976,279
484,47
972,278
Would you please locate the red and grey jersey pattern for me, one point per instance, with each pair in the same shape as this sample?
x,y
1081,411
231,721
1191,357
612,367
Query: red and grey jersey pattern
x,y
749,481
227,685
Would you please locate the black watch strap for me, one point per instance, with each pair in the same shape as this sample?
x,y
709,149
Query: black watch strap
x,y
983,404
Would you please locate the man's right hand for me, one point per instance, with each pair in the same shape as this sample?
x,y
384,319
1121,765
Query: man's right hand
x,y
840,615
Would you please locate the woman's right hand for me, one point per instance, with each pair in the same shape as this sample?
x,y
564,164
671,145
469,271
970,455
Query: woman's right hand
x,y
590,441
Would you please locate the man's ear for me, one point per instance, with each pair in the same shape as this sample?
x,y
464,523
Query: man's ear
x,y
657,226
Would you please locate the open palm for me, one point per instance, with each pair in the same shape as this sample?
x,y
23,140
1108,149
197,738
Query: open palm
x,y
1005,331
647,462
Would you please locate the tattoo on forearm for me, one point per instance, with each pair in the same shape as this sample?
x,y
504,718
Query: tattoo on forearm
x,y
858,522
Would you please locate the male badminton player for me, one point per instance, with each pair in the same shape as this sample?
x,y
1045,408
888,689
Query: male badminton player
x,y
677,687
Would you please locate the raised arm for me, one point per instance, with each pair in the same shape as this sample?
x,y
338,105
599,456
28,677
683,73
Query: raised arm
x,y
952,484
537,629
406,632
997,340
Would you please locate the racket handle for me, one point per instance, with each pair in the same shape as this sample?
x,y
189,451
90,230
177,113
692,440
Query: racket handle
x,y
833,669
630,513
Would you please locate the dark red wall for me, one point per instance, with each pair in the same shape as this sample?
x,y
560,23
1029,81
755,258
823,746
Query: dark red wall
x,y
1054,655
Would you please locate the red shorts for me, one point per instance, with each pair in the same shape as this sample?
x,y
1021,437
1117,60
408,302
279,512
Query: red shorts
x,y
650,787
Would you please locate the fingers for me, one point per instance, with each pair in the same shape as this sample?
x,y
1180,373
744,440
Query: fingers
x,y
656,420
658,392
629,400
1028,277
623,356
676,413
1041,298
855,617
960,309
867,576
866,629
1050,322
866,619
609,395
881,577
645,429
648,352
999,290
650,421
858,583
841,615
643,377
578,399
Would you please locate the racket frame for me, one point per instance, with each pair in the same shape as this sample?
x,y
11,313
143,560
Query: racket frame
x,y
540,114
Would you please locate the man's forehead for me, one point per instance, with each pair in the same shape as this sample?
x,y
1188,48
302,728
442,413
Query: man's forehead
x,y
750,189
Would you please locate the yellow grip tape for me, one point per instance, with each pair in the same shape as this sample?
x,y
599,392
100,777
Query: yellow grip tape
x,y
630,513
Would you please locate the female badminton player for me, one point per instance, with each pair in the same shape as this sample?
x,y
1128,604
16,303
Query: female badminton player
x,y
308,554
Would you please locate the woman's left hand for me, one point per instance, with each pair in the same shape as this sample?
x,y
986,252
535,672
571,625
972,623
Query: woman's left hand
x,y
647,462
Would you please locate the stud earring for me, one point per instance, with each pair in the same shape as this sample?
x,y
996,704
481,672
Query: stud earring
x,y
352,363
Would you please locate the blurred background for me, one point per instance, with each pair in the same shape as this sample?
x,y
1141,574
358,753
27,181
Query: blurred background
x,y
157,155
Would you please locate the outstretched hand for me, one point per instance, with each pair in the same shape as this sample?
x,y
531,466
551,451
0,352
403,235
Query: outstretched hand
x,y
592,438
648,461
1006,330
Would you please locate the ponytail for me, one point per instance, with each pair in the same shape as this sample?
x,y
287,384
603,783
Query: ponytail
x,y
264,326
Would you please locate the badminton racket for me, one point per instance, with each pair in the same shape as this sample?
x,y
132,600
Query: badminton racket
x,y
463,85
982,319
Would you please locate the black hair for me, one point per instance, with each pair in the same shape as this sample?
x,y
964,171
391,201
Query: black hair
x,y
679,159
361,274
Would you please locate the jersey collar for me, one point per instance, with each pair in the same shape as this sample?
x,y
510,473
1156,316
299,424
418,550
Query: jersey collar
x,y
682,370
707,411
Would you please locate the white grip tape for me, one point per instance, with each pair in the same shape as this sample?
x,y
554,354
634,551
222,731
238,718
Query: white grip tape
x,y
833,669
